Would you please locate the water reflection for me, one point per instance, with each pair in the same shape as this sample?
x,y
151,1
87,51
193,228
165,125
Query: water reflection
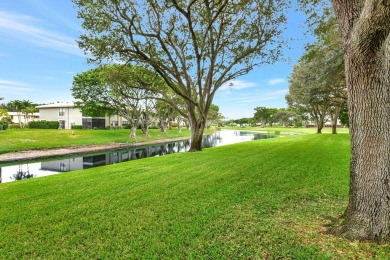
x,y
44,168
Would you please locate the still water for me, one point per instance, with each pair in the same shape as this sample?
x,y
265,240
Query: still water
x,y
65,164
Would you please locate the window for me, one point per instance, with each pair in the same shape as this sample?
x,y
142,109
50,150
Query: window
x,y
61,111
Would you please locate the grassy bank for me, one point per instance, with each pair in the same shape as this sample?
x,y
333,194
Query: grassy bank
x,y
282,129
272,198
16,139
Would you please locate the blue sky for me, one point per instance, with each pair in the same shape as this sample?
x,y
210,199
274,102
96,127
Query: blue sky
x,y
39,57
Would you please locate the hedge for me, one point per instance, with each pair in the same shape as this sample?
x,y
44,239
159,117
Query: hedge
x,y
76,127
44,124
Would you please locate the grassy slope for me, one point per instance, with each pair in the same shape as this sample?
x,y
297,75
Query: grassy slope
x,y
269,198
15,139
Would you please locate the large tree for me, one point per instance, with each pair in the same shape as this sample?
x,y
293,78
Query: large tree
x,y
365,27
195,46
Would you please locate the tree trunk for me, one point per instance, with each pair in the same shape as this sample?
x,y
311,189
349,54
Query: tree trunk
x,y
197,129
367,216
320,125
367,65
133,131
164,125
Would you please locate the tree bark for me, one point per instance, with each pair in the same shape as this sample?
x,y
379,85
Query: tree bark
x,y
197,128
334,116
367,64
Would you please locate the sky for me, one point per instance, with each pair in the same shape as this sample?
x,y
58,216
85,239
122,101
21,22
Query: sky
x,y
39,57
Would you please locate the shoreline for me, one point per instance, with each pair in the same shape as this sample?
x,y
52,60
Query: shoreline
x,y
27,155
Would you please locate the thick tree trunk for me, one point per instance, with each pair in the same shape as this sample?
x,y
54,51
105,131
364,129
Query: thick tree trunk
x,y
367,216
197,130
366,30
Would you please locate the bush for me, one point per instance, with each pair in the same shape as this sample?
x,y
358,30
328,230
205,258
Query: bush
x,y
44,124
14,126
76,127
3,126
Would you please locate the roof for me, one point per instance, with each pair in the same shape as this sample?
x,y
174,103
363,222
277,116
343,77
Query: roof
x,y
57,105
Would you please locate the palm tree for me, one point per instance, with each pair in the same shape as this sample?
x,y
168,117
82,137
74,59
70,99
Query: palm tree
x,y
18,106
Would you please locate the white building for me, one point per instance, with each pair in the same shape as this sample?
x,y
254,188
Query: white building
x,y
67,114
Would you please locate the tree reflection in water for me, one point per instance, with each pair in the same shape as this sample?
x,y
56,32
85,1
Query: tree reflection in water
x,y
22,175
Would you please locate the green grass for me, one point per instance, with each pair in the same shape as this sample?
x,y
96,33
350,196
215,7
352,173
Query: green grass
x,y
265,199
16,139
282,129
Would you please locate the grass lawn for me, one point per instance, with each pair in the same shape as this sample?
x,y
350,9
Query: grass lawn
x,y
265,199
16,139
282,129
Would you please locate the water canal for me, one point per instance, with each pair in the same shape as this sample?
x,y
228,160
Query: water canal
x,y
34,169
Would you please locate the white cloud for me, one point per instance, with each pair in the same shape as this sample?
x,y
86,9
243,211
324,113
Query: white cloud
x,y
266,96
258,97
272,82
237,84
14,86
21,28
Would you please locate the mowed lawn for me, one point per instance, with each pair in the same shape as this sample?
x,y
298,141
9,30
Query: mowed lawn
x,y
265,199
13,140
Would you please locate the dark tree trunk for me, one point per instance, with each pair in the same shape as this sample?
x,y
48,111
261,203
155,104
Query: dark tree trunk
x,y
320,124
197,129
334,116
367,65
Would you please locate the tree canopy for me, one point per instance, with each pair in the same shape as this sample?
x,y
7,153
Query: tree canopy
x,y
195,46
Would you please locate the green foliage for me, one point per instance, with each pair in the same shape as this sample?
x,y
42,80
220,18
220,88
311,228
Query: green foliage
x,y
3,125
344,116
265,115
76,127
43,124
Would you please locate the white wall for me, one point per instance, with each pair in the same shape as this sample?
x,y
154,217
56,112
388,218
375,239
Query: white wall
x,y
71,115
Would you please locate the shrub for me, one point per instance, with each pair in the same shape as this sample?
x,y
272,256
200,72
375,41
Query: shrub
x,y
76,127
14,126
3,125
44,124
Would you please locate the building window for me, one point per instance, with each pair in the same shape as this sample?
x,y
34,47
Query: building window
x,y
61,111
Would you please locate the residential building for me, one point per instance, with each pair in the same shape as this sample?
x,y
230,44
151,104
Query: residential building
x,y
67,114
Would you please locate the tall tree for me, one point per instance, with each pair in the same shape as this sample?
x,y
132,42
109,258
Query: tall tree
x,y
365,27
195,46
307,93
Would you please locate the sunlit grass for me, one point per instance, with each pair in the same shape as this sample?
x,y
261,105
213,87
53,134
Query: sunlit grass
x,y
265,199
16,139
288,130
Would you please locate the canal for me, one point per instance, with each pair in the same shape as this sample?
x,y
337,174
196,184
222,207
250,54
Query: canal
x,y
34,169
